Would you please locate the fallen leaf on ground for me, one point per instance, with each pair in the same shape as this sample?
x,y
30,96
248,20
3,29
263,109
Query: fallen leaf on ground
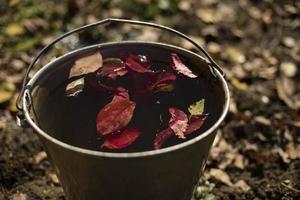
x,y
115,115
87,64
53,178
220,175
238,85
19,196
6,91
285,90
40,157
241,184
234,55
14,30
178,122
289,69
122,139
178,66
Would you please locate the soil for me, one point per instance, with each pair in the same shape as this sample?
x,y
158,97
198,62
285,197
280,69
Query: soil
x,y
256,154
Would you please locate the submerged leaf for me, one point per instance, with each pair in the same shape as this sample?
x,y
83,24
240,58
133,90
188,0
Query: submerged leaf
x,y
116,114
180,67
112,67
178,122
197,108
87,64
122,139
161,137
195,123
137,64
75,87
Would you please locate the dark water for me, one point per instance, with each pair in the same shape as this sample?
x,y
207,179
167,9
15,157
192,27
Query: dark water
x,y
73,119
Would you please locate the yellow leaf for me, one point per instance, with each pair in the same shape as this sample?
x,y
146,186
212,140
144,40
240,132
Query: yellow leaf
x,y
197,108
6,91
14,30
238,85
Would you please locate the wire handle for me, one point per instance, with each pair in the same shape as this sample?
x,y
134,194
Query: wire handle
x,y
213,65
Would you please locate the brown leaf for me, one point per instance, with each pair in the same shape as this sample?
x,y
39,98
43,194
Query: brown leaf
x,y
178,122
87,64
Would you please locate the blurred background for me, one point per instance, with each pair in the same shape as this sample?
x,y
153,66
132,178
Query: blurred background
x,y
256,154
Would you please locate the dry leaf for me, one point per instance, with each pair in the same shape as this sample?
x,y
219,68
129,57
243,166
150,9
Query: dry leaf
x,y
6,91
14,30
220,175
285,90
40,157
242,185
288,68
234,55
87,64
75,87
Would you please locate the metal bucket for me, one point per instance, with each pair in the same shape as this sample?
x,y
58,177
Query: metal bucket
x,y
167,174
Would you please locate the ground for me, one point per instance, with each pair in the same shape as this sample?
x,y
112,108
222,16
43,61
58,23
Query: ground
x,y
256,154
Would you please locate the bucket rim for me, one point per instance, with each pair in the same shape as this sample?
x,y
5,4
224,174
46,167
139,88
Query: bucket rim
x,y
131,154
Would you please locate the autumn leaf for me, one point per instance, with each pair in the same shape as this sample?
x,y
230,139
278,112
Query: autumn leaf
x,y
161,137
178,122
122,139
178,66
197,108
75,87
112,68
87,64
137,64
115,115
195,123
159,80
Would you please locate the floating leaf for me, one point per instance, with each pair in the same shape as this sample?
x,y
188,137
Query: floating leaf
x,y
112,67
161,137
178,122
197,108
87,64
115,115
137,64
195,123
75,87
180,67
158,80
122,139
168,87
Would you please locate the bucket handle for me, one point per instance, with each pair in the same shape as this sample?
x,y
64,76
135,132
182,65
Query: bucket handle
x,y
212,64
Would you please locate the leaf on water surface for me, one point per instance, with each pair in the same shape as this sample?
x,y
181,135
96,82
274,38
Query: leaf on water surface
x,y
112,67
197,108
121,139
195,123
180,67
116,114
87,64
75,87
161,137
138,63
178,122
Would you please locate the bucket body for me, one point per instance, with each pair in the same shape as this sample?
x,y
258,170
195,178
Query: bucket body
x,y
167,174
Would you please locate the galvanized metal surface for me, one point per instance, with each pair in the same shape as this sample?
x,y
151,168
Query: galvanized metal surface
x,y
166,174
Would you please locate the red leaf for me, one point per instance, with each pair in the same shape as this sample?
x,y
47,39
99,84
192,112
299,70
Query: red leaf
x,y
178,122
137,64
112,67
158,79
195,123
116,114
122,139
161,137
92,82
180,67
